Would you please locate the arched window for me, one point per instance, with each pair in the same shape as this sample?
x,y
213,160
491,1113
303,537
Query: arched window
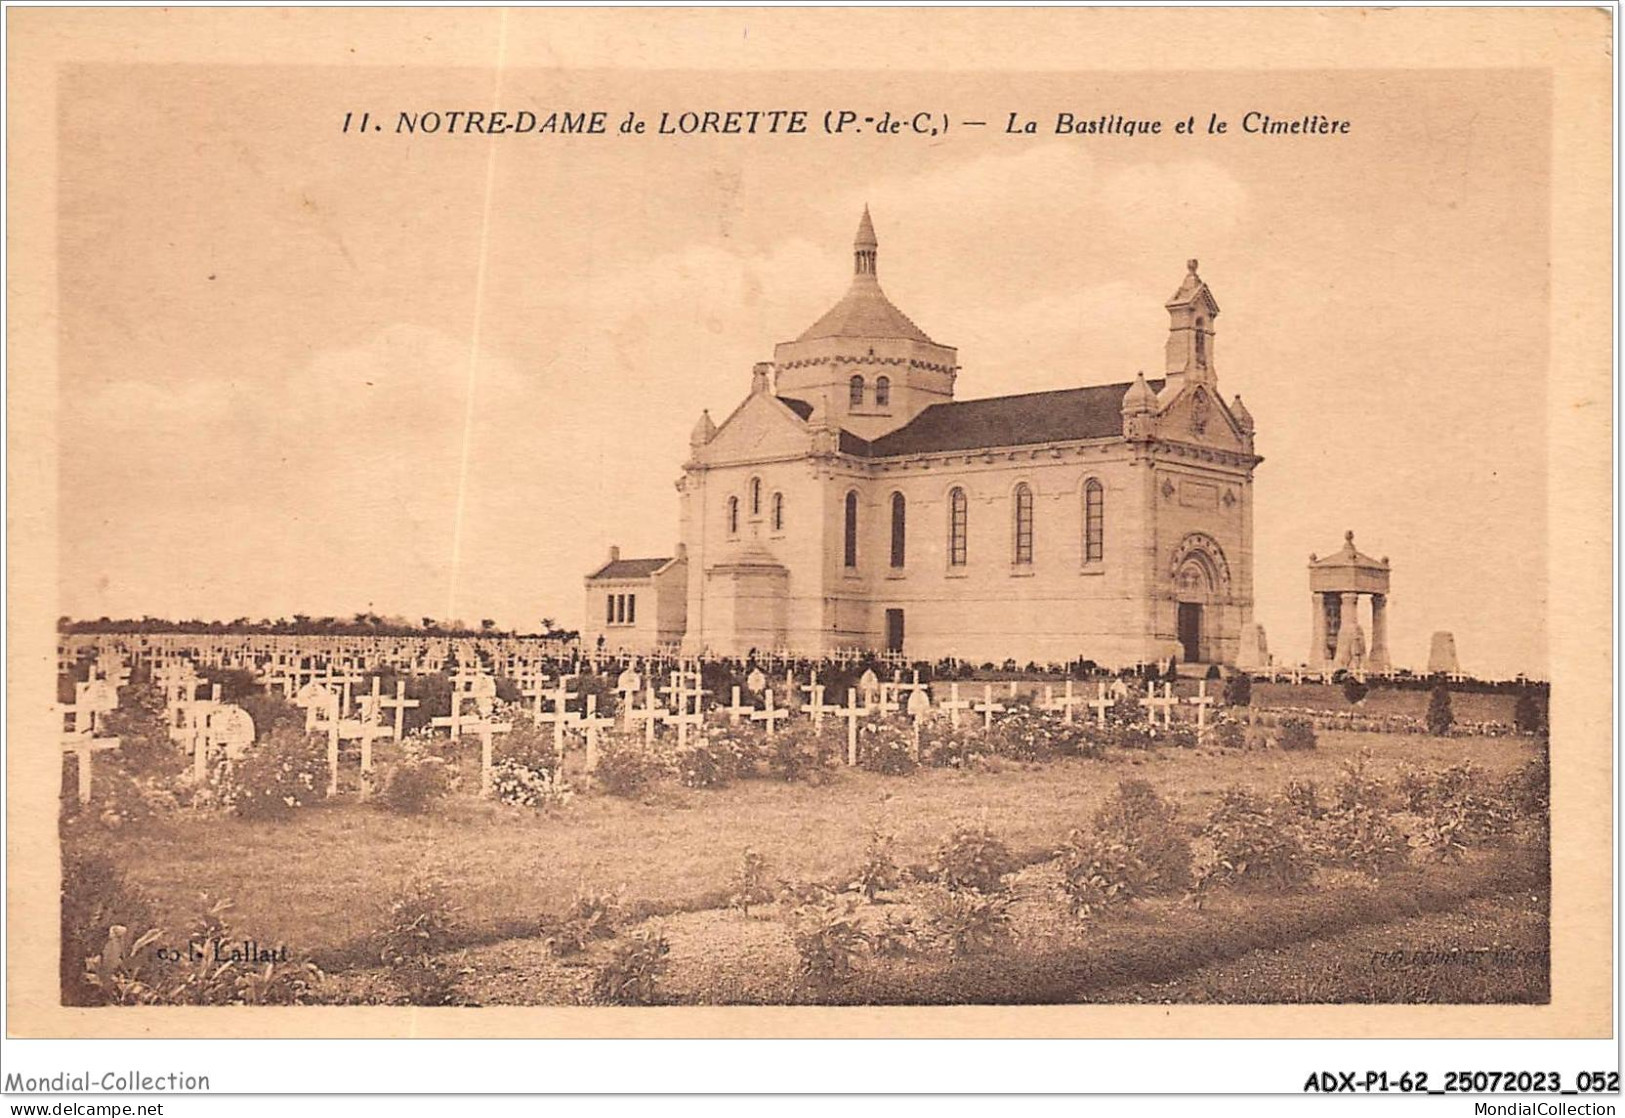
x,y
778,512
899,534
882,392
1094,522
851,530
958,515
1201,344
1024,524
733,516
854,392
756,496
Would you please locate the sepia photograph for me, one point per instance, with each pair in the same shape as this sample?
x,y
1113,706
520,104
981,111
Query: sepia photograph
x,y
524,533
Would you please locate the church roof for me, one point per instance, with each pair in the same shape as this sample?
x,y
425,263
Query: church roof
x,y
1095,412
629,568
864,312
1348,556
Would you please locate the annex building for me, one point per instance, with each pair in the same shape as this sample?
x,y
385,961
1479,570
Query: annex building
x,y
850,501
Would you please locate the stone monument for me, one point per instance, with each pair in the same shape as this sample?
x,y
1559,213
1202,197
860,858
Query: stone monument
x,y
1336,585
1442,655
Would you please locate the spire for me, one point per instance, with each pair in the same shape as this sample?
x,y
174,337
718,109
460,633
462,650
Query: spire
x,y
704,430
1139,398
864,246
1244,418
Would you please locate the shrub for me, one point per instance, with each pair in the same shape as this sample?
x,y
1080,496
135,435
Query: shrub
x,y
1136,817
1359,787
530,745
972,858
879,871
1362,838
828,937
1444,833
750,883
96,896
1296,732
412,785
704,766
1230,734
270,710
802,751
1024,734
1256,843
632,974
886,746
1528,791
1213,672
625,767
1355,690
1238,690
1179,734
591,916
281,774
1304,798
1440,717
419,927
520,785
140,724
126,972
1098,873
967,921
1528,715
894,937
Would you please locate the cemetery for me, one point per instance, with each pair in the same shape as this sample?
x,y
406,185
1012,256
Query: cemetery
x,y
496,820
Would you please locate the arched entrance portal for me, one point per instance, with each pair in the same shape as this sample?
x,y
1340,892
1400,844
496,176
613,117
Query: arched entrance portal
x,y
1193,591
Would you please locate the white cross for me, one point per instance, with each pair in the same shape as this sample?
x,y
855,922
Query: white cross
x,y
400,702
1101,703
738,710
768,714
560,715
689,712
591,723
886,701
852,713
1201,702
954,704
344,680
650,714
815,701
1064,704
85,746
988,707
1165,703
487,731
919,709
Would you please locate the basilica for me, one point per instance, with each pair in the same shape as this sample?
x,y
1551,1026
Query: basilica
x,y
851,501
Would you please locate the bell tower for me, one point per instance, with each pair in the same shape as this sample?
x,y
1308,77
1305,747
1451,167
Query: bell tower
x,y
1190,332
864,366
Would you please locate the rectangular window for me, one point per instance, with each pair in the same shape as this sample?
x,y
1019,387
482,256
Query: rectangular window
x,y
1094,519
631,609
958,515
1024,525
609,609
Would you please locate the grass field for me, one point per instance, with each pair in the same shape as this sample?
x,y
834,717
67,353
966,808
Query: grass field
x,y
321,882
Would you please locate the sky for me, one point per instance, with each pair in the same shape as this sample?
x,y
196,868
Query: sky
x,y
308,372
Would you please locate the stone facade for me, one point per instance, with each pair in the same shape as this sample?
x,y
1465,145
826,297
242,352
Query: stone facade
x,y
850,502
637,605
